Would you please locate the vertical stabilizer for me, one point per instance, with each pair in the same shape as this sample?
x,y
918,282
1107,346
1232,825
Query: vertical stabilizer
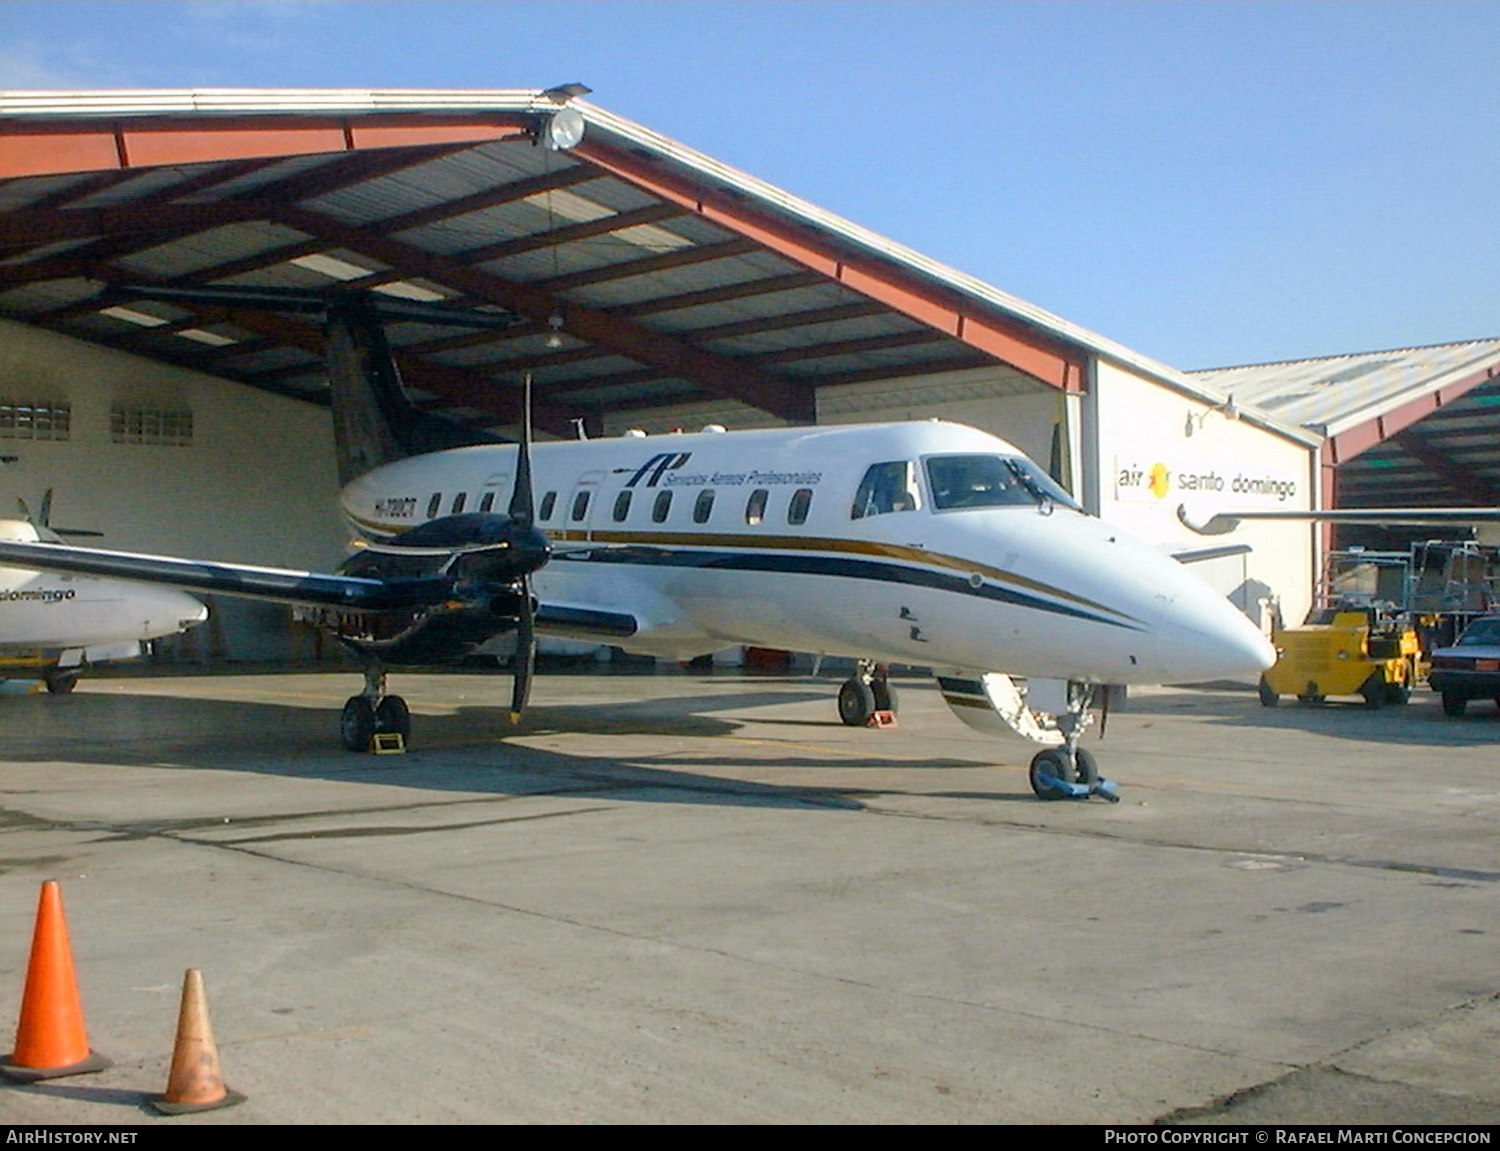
x,y
374,422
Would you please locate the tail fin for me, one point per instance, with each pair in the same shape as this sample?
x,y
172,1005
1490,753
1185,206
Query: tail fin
x,y
374,422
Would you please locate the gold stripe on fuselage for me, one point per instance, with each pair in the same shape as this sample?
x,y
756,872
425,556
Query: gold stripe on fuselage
x,y
748,542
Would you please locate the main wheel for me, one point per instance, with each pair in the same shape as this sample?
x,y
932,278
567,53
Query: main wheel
x,y
1051,767
357,726
61,682
392,714
1454,705
856,702
885,695
1268,698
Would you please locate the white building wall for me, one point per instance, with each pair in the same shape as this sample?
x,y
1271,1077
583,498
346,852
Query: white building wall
x,y
1158,449
256,485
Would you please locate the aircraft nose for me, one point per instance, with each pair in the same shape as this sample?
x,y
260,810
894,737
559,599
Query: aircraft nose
x,y
1215,641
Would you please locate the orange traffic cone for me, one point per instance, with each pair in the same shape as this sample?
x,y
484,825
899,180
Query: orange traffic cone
x,y
194,1083
49,1038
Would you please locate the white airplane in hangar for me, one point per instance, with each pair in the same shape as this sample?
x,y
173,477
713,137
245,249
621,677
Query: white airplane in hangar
x,y
56,625
922,543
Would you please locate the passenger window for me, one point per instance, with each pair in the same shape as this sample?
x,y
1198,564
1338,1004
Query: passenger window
x,y
458,503
797,507
755,506
703,507
549,501
487,501
434,504
581,505
887,487
661,507
622,506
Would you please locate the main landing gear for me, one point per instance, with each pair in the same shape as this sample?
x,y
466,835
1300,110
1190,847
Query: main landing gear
x,y
1070,771
373,713
865,693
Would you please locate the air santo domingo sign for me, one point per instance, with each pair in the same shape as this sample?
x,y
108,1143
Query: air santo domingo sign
x,y
1172,481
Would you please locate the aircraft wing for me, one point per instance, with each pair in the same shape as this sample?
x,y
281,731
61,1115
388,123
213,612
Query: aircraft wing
x,y
1221,523
282,585
277,584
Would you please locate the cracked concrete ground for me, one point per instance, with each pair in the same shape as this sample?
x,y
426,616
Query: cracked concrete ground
x,y
685,898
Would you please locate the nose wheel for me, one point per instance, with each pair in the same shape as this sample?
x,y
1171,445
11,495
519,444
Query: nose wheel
x,y
1070,771
373,713
1057,773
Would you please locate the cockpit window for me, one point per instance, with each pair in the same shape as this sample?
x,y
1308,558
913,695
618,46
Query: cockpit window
x,y
888,487
991,482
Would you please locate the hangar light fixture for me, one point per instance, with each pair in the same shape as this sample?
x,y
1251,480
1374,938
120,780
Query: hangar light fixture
x,y
1195,420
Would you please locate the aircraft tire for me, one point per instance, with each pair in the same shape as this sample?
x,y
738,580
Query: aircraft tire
x,y
886,698
1087,765
392,714
1049,766
62,683
357,726
856,703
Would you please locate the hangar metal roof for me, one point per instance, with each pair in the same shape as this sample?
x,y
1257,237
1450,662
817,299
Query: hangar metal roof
x,y
1409,426
640,272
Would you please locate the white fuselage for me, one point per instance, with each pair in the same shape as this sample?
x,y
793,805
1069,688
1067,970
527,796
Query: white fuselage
x,y
802,545
47,612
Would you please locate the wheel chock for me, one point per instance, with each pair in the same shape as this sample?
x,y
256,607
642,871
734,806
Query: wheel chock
x,y
388,743
882,719
50,1040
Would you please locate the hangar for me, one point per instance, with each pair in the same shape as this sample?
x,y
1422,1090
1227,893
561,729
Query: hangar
x,y
646,286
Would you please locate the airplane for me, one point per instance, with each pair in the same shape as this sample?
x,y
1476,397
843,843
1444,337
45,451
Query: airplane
x,y
921,543
60,624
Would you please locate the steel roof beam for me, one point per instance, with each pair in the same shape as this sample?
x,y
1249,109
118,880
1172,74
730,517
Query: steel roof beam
x,y
39,148
666,353
1470,488
949,312
683,257
555,237
788,320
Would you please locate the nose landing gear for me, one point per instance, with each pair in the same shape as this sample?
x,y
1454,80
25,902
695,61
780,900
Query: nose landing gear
x,y
373,713
1070,771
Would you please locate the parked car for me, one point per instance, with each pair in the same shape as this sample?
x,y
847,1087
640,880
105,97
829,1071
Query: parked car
x,y
1470,669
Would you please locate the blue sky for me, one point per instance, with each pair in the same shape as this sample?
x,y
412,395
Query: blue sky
x,y
1208,183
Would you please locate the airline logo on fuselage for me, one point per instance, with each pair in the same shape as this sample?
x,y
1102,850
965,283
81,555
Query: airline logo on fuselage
x,y
665,470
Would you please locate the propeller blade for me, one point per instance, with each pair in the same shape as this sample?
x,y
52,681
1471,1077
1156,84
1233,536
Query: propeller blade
x,y
525,658
25,511
522,506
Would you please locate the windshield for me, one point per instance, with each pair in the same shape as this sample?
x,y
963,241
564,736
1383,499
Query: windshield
x,y
991,482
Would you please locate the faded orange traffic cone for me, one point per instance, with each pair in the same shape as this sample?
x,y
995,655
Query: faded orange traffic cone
x,y
194,1083
50,1041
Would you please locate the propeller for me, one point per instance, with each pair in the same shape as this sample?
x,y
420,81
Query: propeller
x,y
523,514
